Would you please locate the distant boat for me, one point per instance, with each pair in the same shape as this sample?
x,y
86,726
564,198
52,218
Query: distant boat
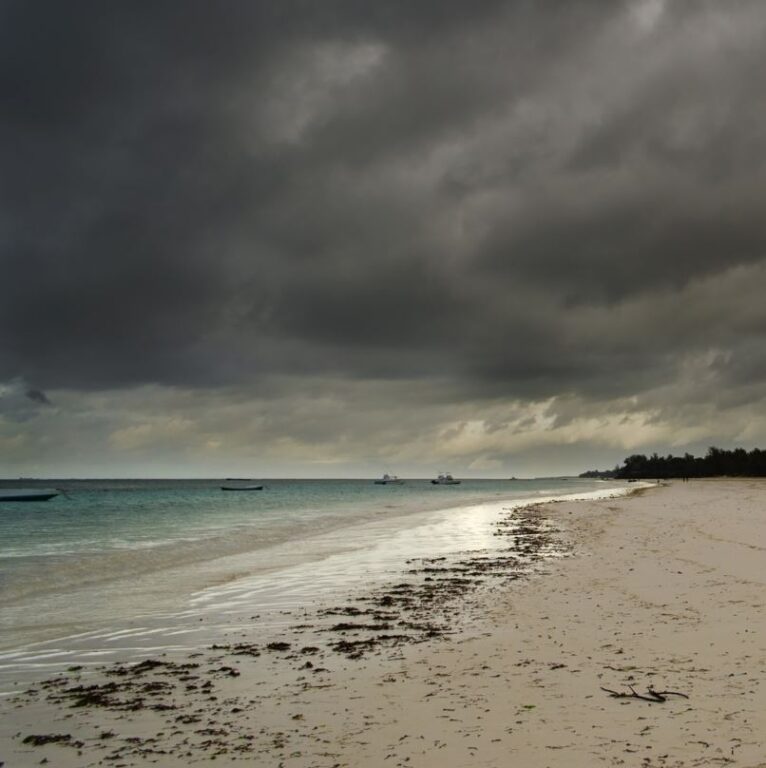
x,y
389,480
445,478
25,494
241,487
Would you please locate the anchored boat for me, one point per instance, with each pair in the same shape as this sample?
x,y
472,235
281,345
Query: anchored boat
x,y
27,494
389,480
445,478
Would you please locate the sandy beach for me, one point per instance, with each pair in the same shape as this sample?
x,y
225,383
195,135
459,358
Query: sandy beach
x,y
498,663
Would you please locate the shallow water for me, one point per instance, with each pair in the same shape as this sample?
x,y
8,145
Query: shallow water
x,y
118,569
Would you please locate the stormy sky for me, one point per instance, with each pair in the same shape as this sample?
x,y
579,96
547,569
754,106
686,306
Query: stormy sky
x,y
338,238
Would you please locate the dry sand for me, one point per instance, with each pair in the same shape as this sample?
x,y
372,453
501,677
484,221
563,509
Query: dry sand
x,y
664,590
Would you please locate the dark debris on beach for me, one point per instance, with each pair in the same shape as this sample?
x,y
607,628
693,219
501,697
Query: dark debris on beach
x,y
426,605
429,604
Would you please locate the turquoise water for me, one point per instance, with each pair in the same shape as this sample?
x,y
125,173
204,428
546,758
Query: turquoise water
x,y
96,516
143,561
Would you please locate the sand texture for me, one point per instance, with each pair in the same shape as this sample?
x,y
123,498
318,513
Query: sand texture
x,y
471,662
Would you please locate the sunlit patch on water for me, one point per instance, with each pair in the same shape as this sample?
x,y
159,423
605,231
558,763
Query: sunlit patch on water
x,y
261,592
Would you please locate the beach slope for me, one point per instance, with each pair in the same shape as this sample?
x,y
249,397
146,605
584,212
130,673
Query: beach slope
x,y
664,592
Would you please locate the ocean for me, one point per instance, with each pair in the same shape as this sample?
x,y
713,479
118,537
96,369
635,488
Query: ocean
x,y
116,569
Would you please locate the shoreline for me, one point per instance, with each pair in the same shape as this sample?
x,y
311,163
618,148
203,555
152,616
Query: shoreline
x,y
664,590
202,546
323,566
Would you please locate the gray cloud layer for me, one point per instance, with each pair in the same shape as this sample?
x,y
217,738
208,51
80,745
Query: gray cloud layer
x,y
528,199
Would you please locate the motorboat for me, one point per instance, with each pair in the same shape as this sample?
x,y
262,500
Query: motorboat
x,y
389,480
241,487
27,494
445,478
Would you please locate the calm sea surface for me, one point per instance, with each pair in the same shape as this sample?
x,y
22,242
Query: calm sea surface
x,y
111,568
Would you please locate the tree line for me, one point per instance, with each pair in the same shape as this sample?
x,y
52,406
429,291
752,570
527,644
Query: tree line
x,y
717,462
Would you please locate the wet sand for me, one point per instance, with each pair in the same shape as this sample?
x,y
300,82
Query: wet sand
x,y
470,660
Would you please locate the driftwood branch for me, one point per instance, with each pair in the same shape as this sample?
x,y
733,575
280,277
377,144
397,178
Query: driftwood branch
x,y
652,696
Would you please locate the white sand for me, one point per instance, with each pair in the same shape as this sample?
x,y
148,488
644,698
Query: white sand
x,y
665,589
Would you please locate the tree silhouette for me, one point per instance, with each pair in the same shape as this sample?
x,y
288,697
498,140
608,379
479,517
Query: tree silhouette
x,y
717,462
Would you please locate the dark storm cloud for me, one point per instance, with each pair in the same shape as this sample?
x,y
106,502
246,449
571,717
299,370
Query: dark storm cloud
x,y
37,396
506,193
20,403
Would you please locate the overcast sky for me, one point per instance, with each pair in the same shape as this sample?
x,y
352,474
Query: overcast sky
x,y
338,238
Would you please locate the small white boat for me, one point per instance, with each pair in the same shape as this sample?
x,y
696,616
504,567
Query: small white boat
x,y
445,478
389,480
241,487
27,494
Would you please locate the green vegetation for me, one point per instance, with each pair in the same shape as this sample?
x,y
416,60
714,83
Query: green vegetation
x,y
717,462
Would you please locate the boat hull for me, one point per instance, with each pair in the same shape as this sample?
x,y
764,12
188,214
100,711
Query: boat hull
x,y
27,496
242,488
